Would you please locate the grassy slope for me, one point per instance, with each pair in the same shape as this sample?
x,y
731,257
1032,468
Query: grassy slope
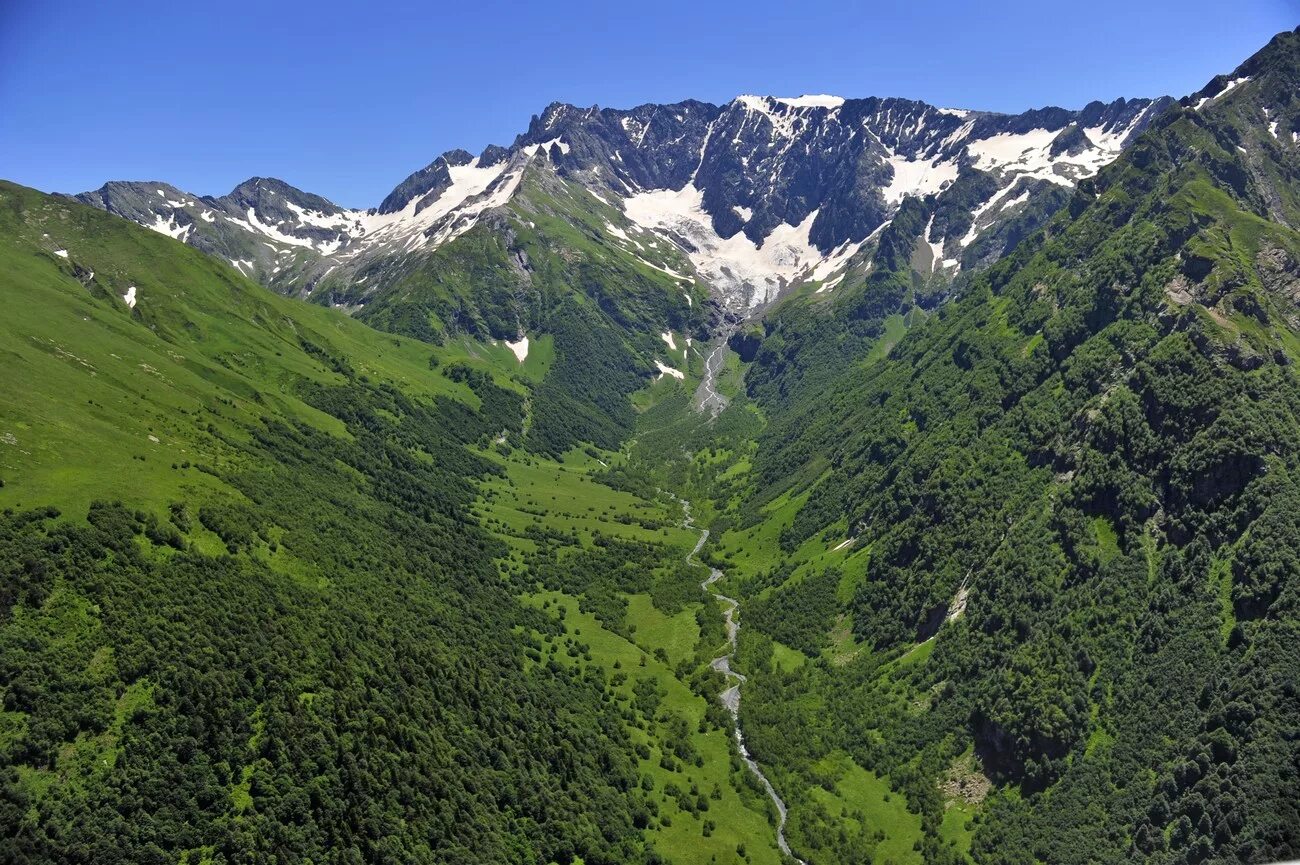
x,y
564,496
93,380
1187,204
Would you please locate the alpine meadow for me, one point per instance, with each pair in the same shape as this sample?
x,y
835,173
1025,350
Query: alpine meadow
x,y
817,480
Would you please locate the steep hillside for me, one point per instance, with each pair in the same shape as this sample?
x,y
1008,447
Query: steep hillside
x,y
257,601
1040,548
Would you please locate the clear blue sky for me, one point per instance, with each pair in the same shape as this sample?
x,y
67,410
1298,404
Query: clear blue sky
x,y
345,99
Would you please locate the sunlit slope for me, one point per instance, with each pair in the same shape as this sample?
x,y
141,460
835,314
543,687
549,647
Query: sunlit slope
x,y
290,637
1042,553
102,397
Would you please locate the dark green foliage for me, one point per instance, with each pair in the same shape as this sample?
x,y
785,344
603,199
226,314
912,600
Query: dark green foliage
x,y
250,715
585,396
1092,449
798,615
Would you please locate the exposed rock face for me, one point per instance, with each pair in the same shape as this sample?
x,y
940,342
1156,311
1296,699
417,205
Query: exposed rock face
x,y
759,193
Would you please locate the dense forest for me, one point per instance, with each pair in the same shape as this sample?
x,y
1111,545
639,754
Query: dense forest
x,y
1073,486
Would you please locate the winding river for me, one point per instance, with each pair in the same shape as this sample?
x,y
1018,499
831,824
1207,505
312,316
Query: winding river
x,y
731,696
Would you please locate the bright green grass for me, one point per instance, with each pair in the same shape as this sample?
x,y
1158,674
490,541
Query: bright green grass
x,y
683,841
676,634
787,658
105,407
895,330
564,496
857,789
954,827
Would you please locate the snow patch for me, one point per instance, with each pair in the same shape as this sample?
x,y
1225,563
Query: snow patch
x,y
1025,149
918,177
667,336
170,227
747,274
61,253
830,285
275,233
936,249
129,297
473,190
837,259
340,221
1230,86
519,347
532,149
743,212
814,101
664,370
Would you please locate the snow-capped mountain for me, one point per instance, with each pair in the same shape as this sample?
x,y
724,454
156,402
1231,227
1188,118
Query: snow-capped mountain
x,y
758,194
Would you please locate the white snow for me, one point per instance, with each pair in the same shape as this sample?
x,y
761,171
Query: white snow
x,y
275,233
667,336
664,370
519,347
340,221
955,112
1231,85
743,212
1025,151
662,269
814,101
747,274
838,258
472,191
61,253
842,544
831,284
170,227
532,149
129,297
207,216
917,177
1272,129
1029,153
936,249
778,112
997,200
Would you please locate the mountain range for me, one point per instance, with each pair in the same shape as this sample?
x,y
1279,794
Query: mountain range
x,y
750,198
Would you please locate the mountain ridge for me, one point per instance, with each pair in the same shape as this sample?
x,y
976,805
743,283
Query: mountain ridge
x,y
769,163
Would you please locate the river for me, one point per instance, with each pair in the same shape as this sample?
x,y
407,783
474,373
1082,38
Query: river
x,y
731,696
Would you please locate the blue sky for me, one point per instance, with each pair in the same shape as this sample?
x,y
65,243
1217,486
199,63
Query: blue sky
x,y
345,99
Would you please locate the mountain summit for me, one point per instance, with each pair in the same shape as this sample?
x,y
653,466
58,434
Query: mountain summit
x,y
757,194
